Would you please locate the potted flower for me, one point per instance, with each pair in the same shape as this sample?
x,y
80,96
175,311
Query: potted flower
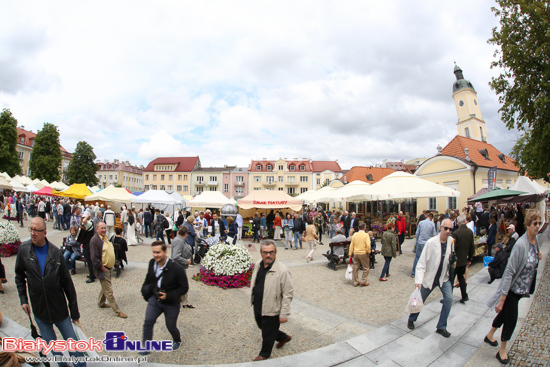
x,y
226,266
9,239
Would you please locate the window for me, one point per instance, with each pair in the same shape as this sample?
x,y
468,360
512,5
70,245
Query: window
x,y
147,177
185,188
178,188
451,202
281,179
290,190
162,177
432,203
146,187
199,189
110,177
369,177
499,183
239,190
303,189
185,177
258,167
302,168
170,187
153,187
213,178
318,181
303,178
281,167
467,132
290,179
292,167
162,187
257,188
212,189
226,188
481,132
269,167
240,179
179,177
327,181
257,178
170,177
200,179
508,184
21,155
280,189
32,142
154,177
22,140
270,179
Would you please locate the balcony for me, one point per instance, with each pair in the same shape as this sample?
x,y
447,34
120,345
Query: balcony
x,y
239,183
199,183
270,183
292,184
212,183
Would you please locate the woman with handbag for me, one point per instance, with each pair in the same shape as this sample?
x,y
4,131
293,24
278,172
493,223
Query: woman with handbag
x,y
518,281
311,238
288,225
389,251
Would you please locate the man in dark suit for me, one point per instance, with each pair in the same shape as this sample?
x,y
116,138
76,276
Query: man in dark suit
x,y
343,220
351,222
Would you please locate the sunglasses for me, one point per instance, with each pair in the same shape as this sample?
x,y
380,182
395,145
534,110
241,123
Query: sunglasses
x,y
537,224
269,252
448,228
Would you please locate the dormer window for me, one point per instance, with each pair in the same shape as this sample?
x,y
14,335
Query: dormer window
x,y
269,167
32,142
369,177
302,168
502,157
484,153
292,167
22,140
258,167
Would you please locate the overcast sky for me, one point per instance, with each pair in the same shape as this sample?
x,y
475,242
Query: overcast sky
x,y
231,81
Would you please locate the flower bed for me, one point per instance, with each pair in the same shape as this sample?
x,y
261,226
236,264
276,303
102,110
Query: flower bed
x,y
9,239
226,266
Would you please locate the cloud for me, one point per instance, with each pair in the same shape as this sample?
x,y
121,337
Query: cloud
x,y
162,144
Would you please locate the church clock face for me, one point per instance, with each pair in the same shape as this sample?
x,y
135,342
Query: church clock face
x,y
461,103
475,101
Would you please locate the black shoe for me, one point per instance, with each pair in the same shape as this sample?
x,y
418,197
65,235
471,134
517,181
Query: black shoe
x,y
410,325
493,344
503,361
441,300
443,332
490,281
90,280
464,300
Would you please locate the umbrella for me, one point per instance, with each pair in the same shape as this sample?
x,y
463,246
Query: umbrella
x,y
344,193
498,193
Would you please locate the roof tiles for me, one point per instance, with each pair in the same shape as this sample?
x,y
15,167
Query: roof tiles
x,y
476,149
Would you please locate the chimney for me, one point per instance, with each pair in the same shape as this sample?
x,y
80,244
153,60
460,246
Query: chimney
x,y
467,152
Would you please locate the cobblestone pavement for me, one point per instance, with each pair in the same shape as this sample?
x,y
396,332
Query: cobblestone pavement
x,y
326,308
531,347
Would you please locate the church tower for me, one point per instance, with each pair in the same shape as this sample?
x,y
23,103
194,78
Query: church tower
x,y
470,121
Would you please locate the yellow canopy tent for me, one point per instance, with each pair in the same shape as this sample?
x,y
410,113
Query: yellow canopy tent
x,y
75,191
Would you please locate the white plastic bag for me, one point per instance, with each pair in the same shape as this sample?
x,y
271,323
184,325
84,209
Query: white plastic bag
x,y
349,272
415,303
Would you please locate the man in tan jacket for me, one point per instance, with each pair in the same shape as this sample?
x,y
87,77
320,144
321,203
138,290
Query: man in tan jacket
x,y
359,251
103,259
271,295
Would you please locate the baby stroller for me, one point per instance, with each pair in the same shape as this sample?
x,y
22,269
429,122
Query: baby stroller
x,y
202,247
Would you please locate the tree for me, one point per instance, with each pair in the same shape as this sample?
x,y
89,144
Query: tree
x,y
82,168
9,161
523,86
46,154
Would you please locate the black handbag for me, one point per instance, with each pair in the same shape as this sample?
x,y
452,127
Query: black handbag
x,y
452,264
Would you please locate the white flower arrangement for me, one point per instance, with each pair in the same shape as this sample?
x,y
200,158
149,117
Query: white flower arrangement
x,y
227,259
8,233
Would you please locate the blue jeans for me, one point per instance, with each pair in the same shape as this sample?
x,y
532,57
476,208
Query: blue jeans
x,y
67,331
70,258
386,268
419,248
148,230
256,236
67,217
160,235
447,290
297,237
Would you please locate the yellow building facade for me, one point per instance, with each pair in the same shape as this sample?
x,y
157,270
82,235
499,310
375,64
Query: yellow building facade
x,y
170,173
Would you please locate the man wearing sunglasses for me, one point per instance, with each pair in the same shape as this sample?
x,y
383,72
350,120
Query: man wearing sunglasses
x,y
432,270
41,274
271,295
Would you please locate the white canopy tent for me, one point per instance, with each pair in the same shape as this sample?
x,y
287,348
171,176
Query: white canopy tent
x,y
6,176
111,194
32,188
401,185
4,184
25,180
59,186
209,199
346,192
16,186
159,199
317,196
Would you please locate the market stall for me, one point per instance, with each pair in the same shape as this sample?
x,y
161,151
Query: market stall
x,y
159,199
75,191
265,200
209,199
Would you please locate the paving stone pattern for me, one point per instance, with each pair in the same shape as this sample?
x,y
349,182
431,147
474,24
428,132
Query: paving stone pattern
x,y
532,345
